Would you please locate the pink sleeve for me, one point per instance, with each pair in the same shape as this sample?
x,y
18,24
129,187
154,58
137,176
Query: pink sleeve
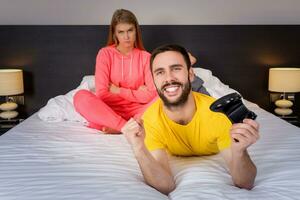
x,y
138,95
102,78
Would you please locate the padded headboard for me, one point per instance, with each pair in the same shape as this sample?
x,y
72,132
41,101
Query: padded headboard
x,y
55,58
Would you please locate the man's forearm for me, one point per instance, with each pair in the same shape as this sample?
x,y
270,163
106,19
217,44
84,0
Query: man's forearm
x,y
243,170
154,173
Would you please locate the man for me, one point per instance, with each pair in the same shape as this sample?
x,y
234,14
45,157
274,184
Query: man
x,y
180,123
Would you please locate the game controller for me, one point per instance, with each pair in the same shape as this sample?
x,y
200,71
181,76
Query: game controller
x,y
232,106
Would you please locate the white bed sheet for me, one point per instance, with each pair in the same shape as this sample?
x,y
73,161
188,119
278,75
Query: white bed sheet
x,y
64,160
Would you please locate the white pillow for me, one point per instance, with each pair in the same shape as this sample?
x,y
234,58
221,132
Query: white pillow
x,y
212,84
61,108
89,80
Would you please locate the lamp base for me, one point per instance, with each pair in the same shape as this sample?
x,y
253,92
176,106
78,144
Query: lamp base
x,y
9,114
8,109
7,106
283,111
283,108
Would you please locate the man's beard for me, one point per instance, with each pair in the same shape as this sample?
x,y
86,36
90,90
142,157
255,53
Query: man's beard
x,y
186,88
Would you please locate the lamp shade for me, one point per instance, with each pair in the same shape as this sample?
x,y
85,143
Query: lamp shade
x,y
11,82
284,79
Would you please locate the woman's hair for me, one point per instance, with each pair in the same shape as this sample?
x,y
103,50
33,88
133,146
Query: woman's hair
x,y
124,16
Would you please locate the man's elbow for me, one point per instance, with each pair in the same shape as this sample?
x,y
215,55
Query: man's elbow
x,y
167,189
247,186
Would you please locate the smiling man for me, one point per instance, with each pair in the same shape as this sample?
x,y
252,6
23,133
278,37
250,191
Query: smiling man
x,y
181,123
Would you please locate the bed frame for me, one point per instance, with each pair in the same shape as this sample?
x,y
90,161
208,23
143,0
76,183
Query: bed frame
x,y
55,58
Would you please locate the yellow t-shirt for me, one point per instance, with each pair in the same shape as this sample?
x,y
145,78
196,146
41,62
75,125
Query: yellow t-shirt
x,y
207,133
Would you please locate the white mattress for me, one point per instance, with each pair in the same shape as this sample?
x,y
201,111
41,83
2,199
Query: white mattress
x,y
65,160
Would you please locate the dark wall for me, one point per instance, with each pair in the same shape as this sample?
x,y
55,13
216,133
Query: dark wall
x,y
55,58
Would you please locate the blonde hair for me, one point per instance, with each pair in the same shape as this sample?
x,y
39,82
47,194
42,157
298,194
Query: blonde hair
x,y
124,16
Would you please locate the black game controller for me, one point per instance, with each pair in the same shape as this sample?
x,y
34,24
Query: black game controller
x,y
232,106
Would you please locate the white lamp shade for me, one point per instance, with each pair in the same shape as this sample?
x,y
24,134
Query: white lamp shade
x,y
11,82
284,79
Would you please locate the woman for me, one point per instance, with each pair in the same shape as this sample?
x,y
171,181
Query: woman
x,y
123,79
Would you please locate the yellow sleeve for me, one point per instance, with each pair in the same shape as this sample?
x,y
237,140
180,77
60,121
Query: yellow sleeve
x,y
224,139
154,139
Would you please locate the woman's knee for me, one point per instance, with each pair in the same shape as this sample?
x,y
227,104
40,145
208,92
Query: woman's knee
x,y
81,97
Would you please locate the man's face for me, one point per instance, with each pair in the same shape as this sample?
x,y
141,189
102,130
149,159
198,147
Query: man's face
x,y
171,78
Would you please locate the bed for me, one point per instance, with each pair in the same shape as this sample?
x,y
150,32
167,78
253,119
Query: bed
x,y
53,155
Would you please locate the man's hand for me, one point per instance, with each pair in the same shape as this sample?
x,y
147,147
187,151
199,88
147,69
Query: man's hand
x,y
134,133
114,89
242,169
244,134
154,166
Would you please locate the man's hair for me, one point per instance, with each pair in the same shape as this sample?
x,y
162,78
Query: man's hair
x,y
171,47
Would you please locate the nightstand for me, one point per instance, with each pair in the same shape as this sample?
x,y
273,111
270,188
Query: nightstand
x,y
5,125
292,120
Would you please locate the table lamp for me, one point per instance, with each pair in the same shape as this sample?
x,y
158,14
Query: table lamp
x,y
287,82
11,83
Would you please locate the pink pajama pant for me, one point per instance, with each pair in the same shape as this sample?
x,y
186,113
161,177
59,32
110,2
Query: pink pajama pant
x,y
112,113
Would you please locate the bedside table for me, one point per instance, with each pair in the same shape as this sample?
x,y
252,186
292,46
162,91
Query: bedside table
x,y
291,119
5,125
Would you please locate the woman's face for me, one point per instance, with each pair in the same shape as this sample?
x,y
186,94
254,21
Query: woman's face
x,y
125,34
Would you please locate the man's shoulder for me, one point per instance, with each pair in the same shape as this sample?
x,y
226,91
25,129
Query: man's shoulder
x,y
203,98
203,102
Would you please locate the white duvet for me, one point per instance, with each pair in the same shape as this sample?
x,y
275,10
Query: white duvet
x,y
65,160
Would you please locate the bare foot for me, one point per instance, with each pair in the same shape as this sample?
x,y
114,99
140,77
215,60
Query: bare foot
x,y
108,130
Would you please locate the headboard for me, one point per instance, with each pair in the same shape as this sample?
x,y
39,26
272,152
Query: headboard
x,y
55,58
